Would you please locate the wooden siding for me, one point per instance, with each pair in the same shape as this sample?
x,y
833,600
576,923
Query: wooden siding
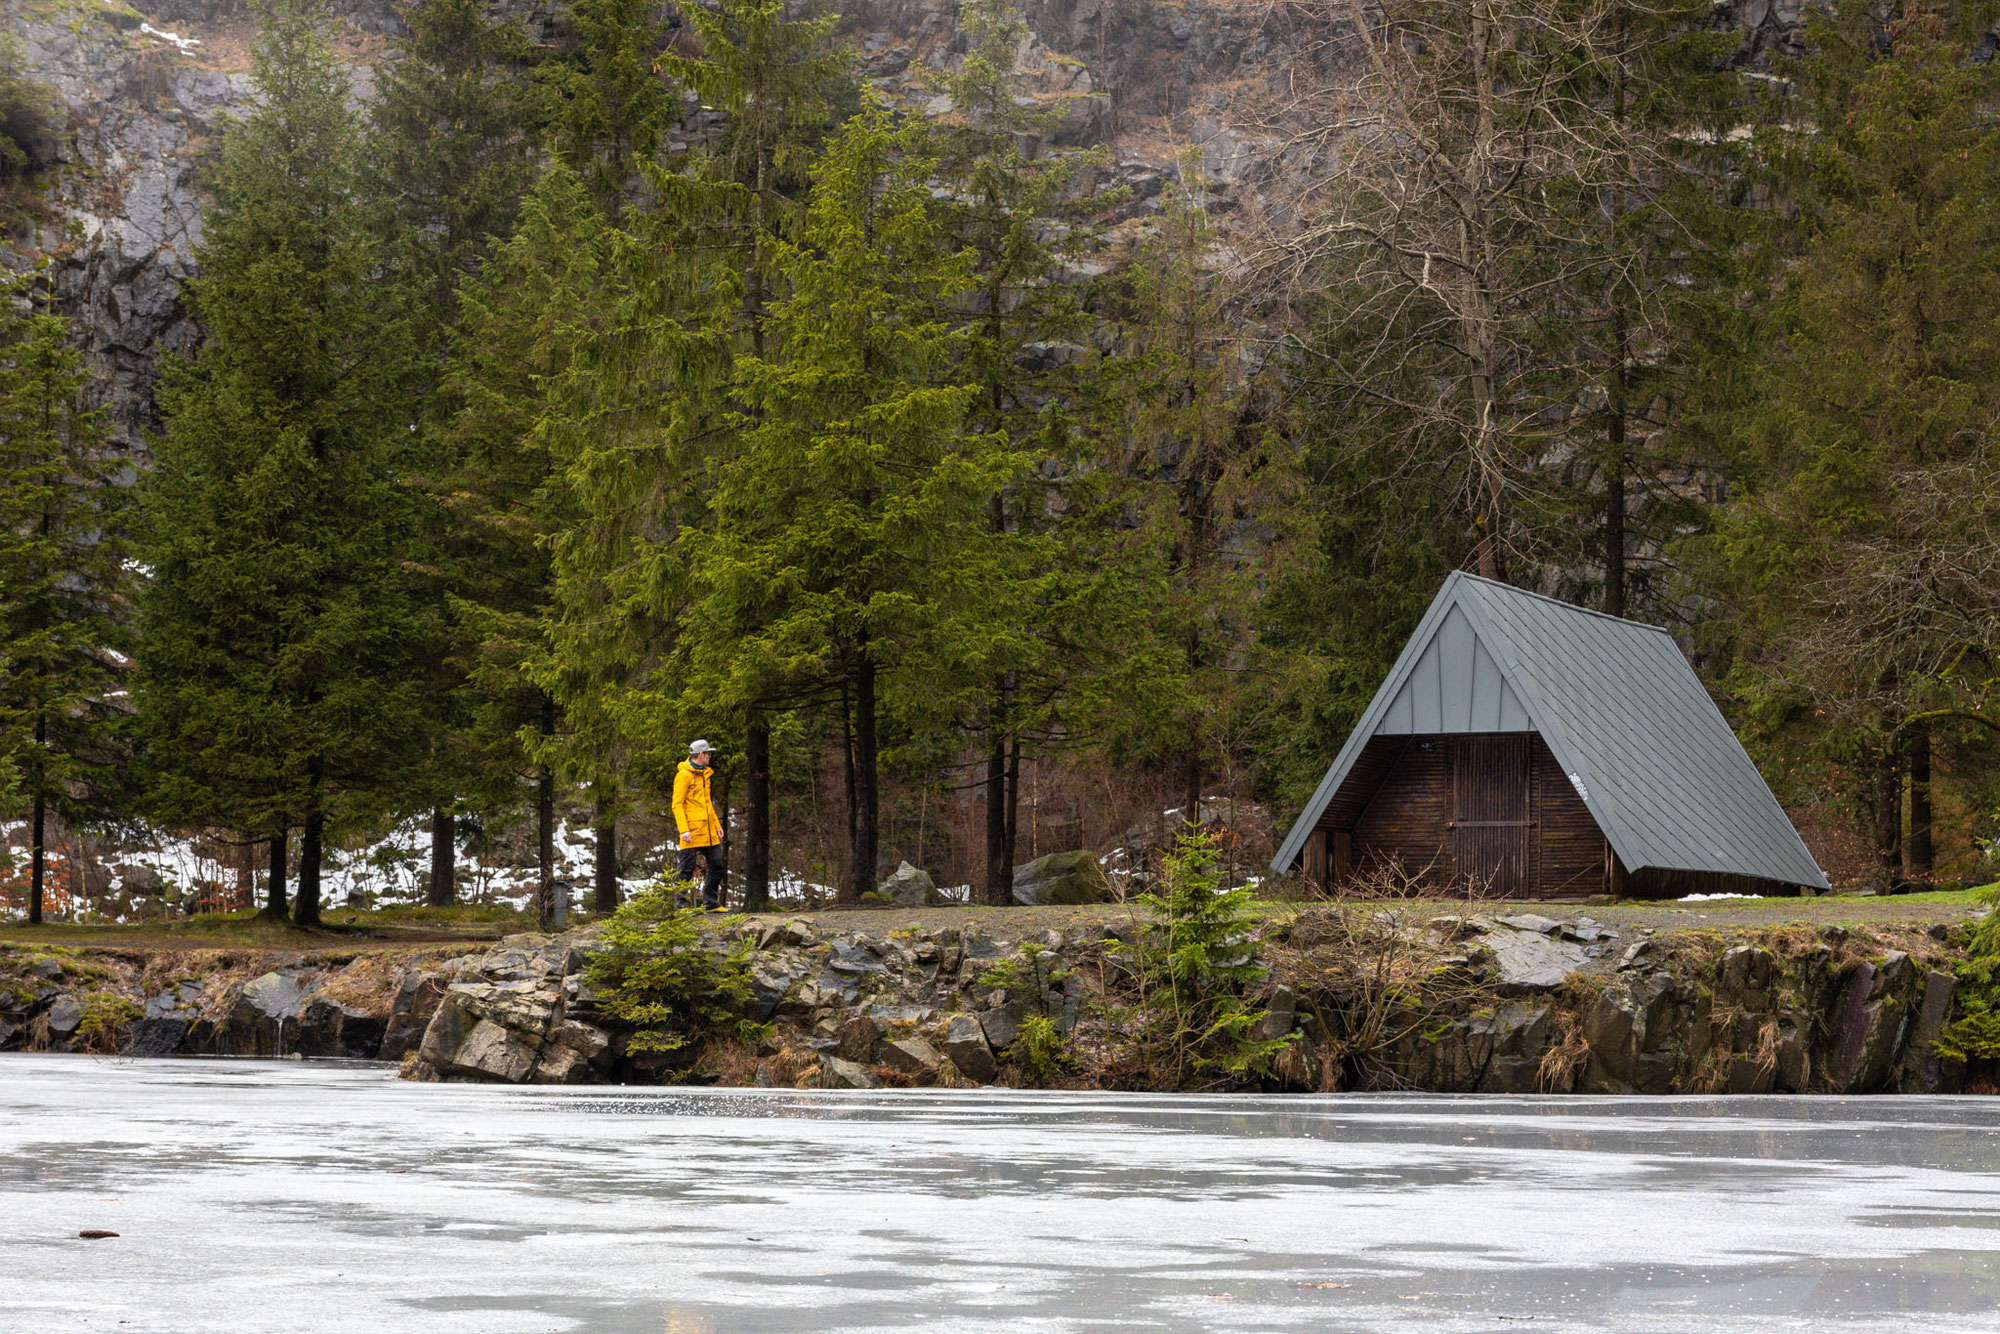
x,y
1492,813
1573,848
1496,809
1659,883
1454,687
1363,781
1404,821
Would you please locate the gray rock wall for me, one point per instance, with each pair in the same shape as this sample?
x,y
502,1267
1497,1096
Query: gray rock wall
x,y
1508,1005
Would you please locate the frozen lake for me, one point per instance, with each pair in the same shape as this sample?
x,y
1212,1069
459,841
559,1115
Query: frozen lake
x,y
254,1196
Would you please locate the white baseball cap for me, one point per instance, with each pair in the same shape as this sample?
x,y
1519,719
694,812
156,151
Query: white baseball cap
x,y
697,747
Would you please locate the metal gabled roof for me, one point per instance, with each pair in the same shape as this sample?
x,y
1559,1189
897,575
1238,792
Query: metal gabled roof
x,y
1619,708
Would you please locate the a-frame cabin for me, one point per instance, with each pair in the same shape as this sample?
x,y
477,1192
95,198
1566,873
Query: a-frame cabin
x,y
1525,748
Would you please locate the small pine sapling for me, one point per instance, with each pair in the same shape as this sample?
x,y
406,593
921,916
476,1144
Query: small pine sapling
x,y
1192,967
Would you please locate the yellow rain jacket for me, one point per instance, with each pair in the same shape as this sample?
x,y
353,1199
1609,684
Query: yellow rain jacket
x,y
694,809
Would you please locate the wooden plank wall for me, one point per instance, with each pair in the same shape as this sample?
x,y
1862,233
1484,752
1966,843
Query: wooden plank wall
x,y
1572,863
1406,821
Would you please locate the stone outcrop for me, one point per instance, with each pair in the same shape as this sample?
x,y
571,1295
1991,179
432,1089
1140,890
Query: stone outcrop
x,y
521,1014
372,1005
1511,1004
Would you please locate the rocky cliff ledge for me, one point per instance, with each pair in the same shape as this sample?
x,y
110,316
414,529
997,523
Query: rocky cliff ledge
x,y
1377,998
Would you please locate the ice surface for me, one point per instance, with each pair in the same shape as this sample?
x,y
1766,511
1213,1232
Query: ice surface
x,y
254,1196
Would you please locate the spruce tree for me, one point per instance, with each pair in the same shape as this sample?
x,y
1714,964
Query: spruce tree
x,y
276,684
1860,557
525,316
64,620
851,529
606,103
659,404
1021,219
1195,438
450,155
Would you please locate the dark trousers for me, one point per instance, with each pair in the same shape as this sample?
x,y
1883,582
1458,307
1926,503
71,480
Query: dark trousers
x,y
711,881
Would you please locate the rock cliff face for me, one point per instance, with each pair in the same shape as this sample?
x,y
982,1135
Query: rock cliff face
x,y
1371,1000
150,86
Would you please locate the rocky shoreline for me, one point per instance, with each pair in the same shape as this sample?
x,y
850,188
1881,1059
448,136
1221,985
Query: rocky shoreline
x,y
1374,997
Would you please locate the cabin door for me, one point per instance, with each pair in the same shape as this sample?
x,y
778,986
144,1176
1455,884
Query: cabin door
x,y
1492,816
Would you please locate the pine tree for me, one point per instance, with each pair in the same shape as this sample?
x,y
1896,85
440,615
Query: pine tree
x,y
63,613
660,391
851,529
450,156
1860,557
606,104
275,676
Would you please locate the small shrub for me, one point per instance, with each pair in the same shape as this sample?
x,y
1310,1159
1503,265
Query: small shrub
x,y
105,1015
1039,1051
1191,967
656,973
1975,1034
1030,976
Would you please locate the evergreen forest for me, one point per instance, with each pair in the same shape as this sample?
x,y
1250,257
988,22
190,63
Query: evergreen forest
x,y
532,434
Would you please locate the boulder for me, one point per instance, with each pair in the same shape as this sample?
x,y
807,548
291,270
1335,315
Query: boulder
x,y
1001,1027
910,887
857,1038
965,1044
1530,961
1280,1013
771,981
410,1013
1062,878
169,1017
912,1056
853,959
1530,922
64,1017
263,1018
490,1030
490,1052
1922,1069
327,1027
835,1073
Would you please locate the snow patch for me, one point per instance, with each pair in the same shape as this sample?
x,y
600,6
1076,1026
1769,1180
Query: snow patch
x,y
184,43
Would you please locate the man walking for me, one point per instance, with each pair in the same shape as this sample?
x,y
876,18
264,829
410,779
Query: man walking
x,y
700,826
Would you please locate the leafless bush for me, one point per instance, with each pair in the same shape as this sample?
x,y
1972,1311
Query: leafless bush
x,y
1371,978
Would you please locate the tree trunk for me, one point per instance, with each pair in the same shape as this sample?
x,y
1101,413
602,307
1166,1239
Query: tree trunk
x,y
1917,846
606,831
1013,810
863,853
853,802
274,892
757,815
444,858
38,854
999,857
1191,783
1621,340
1889,815
545,847
1614,524
305,907
545,829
